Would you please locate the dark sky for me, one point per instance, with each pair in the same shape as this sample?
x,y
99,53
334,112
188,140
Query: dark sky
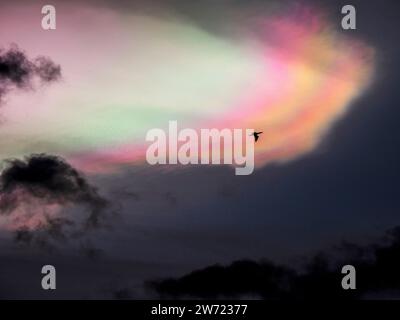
x,y
175,221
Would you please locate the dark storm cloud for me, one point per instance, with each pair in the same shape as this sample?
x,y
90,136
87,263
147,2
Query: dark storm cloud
x,y
377,268
17,71
239,278
50,180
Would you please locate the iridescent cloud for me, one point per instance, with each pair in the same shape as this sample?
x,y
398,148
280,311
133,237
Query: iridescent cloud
x,y
126,73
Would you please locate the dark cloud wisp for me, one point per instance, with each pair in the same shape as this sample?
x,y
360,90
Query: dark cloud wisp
x,y
17,71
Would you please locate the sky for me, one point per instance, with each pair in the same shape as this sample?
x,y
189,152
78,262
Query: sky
x,y
325,99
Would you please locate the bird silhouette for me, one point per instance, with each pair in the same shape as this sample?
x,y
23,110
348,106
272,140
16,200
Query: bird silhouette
x,y
256,135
